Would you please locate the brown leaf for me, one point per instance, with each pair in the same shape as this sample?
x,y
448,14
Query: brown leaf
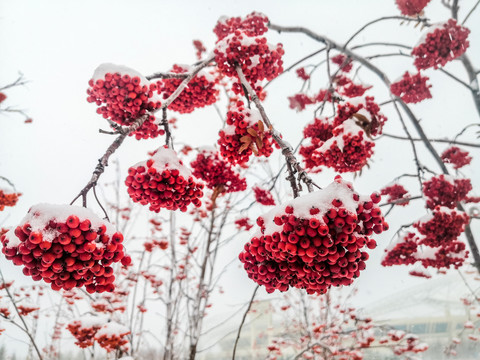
x,y
246,139
254,149
252,132
259,142
261,127
243,147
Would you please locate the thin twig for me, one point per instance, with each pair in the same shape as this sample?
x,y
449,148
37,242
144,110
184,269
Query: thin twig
x,y
243,321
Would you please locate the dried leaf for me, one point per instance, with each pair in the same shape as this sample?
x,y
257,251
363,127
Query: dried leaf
x,y
252,132
261,127
259,142
246,139
254,149
243,147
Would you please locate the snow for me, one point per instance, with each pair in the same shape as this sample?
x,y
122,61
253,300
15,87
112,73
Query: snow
x,y
90,321
165,158
41,214
321,199
112,328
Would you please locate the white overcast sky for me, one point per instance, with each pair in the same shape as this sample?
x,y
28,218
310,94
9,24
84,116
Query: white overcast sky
x,y
58,44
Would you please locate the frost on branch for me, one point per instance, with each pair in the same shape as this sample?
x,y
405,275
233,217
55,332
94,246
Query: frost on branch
x,y
163,182
201,91
412,7
440,44
217,173
126,95
456,156
314,241
66,246
243,135
344,143
412,88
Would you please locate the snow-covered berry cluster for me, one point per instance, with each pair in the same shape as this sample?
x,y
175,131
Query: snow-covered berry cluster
x,y
90,329
347,88
411,7
441,44
344,143
402,251
263,196
397,194
163,182
8,198
126,95
456,156
412,88
444,190
217,173
300,101
314,241
240,42
200,92
342,61
243,224
66,246
243,135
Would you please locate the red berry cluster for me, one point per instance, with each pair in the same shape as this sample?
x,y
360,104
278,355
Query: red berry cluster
x,y
200,49
411,7
442,43
84,330
217,173
366,112
2,97
66,246
347,150
243,135
457,157
263,196
396,194
302,74
254,24
111,336
163,182
443,190
8,199
200,92
442,227
241,43
403,251
315,241
346,87
319,131
127,95
412,88
299,101
243,223
341,60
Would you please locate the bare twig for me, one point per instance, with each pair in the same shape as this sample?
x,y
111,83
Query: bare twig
x,y
243,321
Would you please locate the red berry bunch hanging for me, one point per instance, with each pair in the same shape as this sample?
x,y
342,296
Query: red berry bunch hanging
x,y
366,112
347,150
243,223
126,96
217,173
163,182
200,92
66,246
84,330
254,24
243,135
263,196
402,252
301,73
397,194
443,43
8,198
347,88
456,156
412,88
111,336
200,49
341,60
411,7
317,132
249,50
442,226
443,190
314,241
299,101
2,97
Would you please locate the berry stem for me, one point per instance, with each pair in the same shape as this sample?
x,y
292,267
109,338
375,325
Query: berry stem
x,y
293,165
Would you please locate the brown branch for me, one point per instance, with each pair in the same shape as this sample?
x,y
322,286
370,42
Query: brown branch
x,y
470,12
243,321
160,75
453,142
287,149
